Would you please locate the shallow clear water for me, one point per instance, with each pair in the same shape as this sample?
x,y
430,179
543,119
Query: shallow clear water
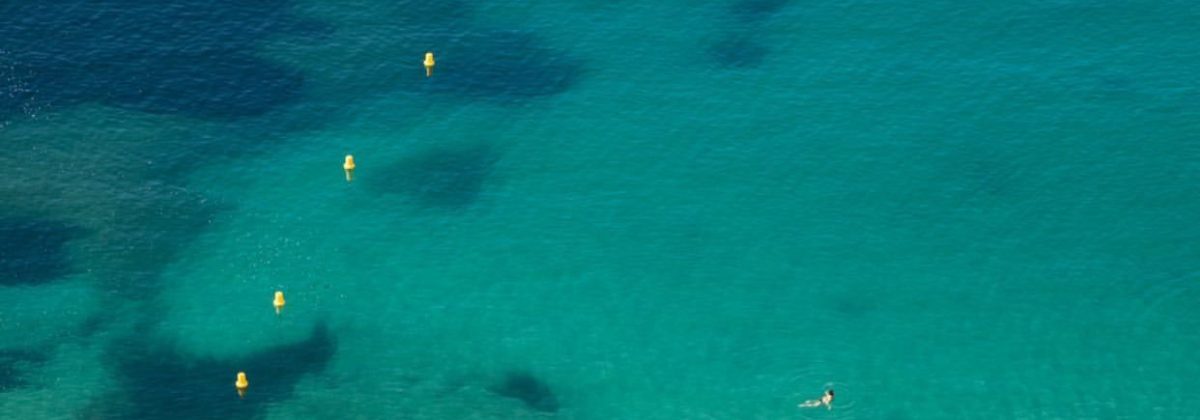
x,y
599,210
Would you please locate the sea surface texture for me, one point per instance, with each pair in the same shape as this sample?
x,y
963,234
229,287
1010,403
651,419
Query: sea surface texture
x,y
600,209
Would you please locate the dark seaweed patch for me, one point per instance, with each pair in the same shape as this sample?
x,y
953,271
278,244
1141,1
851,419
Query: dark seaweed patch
x,y
93,324
430,14
450,177
989,177
501,65
240,85
528,389
477,61
756,10
853,306
33,251
737,48
738,51
12,367
160,220
165,383
187,57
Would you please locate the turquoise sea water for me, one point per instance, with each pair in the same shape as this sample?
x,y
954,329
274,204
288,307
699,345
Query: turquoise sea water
x,y
600,209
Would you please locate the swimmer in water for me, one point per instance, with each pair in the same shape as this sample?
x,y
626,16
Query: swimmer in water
x,y
826,400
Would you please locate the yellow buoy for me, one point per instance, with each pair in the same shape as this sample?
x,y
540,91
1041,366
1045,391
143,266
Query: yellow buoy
x,y
241,384
349,168
429,64
279,302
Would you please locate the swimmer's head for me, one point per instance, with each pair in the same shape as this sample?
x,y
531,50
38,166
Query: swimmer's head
x,y
829,391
